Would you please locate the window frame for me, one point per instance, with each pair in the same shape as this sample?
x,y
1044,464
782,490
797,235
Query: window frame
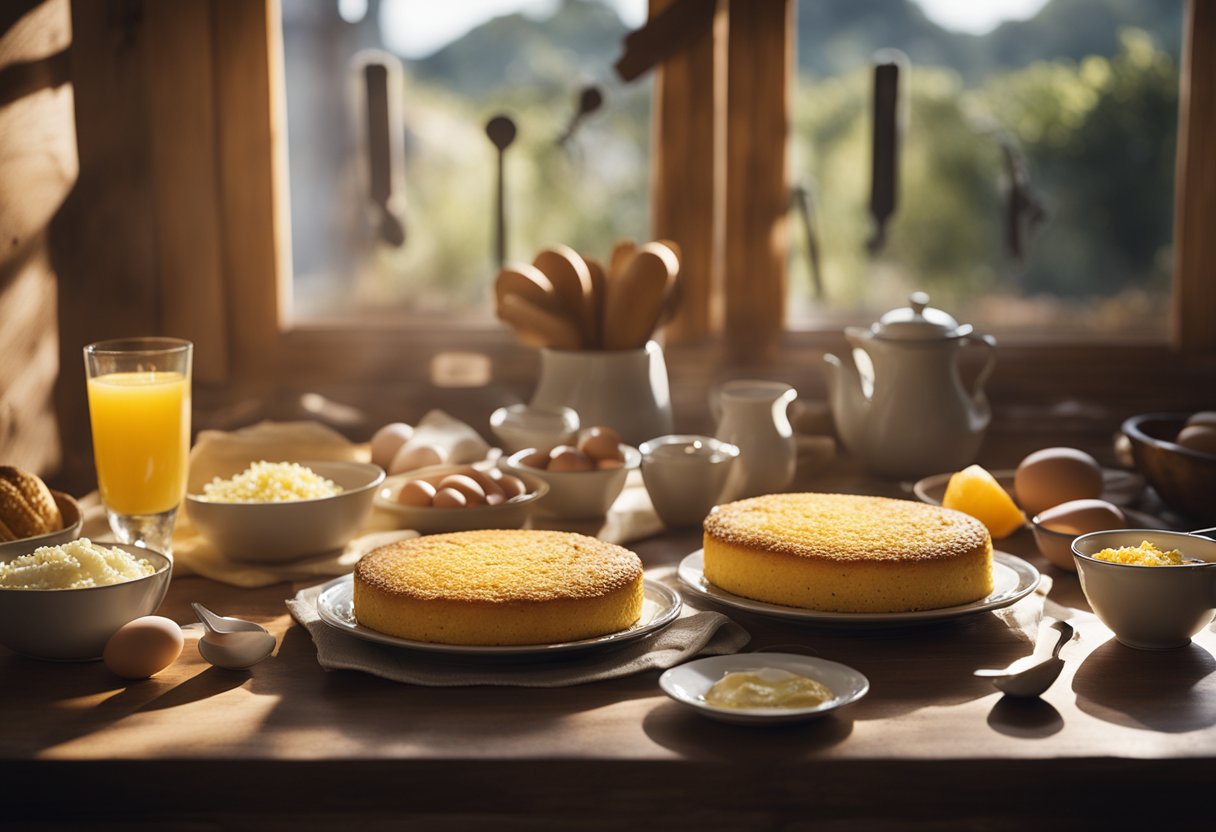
x,y
258,345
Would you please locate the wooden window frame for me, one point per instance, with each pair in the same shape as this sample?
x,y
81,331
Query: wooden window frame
x,y
218,270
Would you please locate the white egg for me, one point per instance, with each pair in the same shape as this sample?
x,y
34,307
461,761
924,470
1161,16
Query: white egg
x,y
387,441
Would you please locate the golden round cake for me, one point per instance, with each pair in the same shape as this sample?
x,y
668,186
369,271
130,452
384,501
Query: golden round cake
x,y
499,587
847,553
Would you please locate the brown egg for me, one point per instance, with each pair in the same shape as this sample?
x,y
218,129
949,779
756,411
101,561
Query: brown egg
x,y
601,443
567,458
1052,476
143,647
511,486
416,493
1198,437
1083,516
1203,417
488,482
449,498
474,494
537,459
387,441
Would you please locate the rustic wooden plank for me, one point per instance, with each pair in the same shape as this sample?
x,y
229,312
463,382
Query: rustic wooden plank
x,y
687,173
182,144
759,74
253,176
1195,184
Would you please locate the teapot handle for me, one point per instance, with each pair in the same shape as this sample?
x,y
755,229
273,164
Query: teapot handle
x,y
989,343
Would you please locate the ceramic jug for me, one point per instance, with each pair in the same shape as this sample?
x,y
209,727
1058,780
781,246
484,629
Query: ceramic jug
x,y
623,389
900,404
754,418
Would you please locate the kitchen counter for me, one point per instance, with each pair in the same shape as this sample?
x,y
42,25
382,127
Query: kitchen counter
x,y
1122,736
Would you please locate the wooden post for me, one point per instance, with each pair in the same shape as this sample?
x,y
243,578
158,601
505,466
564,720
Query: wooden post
x,y
759,69
687,172
1195,185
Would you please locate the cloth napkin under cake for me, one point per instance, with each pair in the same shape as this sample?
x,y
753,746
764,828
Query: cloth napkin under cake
x,y
694,633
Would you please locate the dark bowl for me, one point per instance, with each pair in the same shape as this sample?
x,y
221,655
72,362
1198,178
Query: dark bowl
x,y
1185,479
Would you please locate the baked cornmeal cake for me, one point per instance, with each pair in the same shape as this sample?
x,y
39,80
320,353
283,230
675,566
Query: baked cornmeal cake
x,y
847,553
499,587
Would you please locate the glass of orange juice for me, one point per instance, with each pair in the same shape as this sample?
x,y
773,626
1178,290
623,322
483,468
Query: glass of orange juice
x,y
139,408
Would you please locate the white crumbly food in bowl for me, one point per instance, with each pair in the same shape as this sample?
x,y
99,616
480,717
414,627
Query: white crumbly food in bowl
x,y
76,565
270,482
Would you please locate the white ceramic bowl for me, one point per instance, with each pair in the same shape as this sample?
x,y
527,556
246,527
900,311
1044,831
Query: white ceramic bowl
x,y
512,514
577,495
75,624
685,476
522,426
1149,607
279,532
73,519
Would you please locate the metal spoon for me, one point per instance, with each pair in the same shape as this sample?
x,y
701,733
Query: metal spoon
x,y
232,643
1025,679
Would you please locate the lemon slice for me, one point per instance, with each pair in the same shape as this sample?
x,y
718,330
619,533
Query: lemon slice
x,y
976,492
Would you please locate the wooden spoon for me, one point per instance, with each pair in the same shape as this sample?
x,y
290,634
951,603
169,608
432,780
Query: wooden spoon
x,y
571,280
599,294
538,326
622,253
635,297
529,283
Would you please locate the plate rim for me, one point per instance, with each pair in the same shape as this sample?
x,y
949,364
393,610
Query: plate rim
x,y
771,715
1028,579
923,484
672,606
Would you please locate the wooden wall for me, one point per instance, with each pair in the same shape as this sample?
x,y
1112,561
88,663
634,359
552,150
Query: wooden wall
x,y
37,169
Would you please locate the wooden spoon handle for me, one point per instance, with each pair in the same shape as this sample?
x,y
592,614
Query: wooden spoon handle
x,y
538,326
529,283
599,294
571,280
635,299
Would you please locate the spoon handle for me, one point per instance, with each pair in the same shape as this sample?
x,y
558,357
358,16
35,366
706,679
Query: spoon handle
x,y
1066,632
209,619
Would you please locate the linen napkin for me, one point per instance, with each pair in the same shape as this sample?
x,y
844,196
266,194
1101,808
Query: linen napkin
x,y
694,633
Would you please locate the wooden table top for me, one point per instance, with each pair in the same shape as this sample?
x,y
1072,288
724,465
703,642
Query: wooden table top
x,y
1120,734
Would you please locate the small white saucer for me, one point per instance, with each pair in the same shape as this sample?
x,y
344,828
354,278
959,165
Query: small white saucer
x,y
688,684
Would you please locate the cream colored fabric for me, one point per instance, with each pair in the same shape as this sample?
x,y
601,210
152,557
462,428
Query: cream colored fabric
x,y
694,633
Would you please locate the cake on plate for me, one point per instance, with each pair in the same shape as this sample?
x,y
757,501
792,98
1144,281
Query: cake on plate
x,y
847,553
499,587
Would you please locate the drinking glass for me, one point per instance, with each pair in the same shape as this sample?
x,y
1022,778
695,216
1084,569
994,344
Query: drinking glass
x,y
139,408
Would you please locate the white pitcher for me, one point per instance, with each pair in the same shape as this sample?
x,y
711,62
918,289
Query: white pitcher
x,y
755,419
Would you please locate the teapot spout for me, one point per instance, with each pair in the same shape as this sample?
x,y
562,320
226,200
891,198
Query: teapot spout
x,y
848,400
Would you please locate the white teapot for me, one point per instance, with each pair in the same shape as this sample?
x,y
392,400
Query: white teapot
x,y
900,403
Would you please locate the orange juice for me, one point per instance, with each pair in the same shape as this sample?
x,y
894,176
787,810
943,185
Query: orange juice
x,y
141,438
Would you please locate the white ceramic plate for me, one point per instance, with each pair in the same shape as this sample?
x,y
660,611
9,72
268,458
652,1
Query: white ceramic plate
x,y
688,684
336,606
1119,487
1013,579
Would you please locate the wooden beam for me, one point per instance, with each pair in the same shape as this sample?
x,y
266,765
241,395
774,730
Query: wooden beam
x,y
182,144
759,72
1195,189
687,173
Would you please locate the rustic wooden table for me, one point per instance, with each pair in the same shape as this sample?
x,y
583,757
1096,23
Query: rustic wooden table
x,y
1124,736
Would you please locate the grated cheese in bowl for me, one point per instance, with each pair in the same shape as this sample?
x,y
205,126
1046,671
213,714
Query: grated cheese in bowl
x,y
78,564
270,482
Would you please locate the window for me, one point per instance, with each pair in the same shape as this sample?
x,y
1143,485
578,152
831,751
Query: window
x,y
423,242
1035,172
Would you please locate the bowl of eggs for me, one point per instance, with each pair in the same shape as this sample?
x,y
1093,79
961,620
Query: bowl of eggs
x,y
1176,452
585,479
457,498
64,602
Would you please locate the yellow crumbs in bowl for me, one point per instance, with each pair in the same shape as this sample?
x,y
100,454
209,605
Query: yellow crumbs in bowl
x,y
270,482
1146,554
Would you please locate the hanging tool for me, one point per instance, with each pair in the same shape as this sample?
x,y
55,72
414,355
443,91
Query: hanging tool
x,y
501,131
384,136
802,198
887,132
590,99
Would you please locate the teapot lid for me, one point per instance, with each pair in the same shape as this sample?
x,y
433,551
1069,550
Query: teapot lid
x,y
919,322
